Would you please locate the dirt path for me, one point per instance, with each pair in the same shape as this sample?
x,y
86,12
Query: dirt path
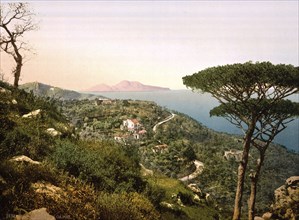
x,y
161,122
198,164
199,168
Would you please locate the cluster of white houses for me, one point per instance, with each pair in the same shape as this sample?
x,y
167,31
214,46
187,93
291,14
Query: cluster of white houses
x,y
131,125
135,129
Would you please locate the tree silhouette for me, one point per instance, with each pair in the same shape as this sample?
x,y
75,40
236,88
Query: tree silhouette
x,y
252,97
16,19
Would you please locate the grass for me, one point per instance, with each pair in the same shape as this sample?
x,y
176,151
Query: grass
x,y
174,187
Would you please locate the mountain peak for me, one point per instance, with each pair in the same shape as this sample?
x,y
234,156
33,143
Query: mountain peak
x,y
126,86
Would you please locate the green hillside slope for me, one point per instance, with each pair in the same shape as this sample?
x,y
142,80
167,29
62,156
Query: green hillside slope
x,y
172,148
40,89
47,162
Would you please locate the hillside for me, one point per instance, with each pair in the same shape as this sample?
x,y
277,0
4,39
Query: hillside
x,y
126,86
41,89
47,167
171,149
106,154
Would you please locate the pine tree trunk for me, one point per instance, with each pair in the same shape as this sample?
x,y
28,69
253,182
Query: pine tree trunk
x,y
253,186
240,184
251,202
241,173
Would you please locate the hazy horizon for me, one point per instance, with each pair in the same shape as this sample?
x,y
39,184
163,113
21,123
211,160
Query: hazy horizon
x,y
84,43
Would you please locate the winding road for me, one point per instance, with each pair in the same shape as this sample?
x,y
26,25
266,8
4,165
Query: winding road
x,y
198,164
161,122
199,168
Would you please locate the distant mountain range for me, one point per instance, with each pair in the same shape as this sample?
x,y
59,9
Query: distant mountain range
x,y
40,89
126,86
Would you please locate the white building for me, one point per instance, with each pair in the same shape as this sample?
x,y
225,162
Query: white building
x,y
131,124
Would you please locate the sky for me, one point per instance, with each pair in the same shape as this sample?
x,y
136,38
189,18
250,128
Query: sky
x,y
80,44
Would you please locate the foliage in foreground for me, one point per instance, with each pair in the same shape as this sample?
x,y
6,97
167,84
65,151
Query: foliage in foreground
x,y
72,178
103,164
72,164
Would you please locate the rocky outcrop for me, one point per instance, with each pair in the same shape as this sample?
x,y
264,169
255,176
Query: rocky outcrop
x,y
195,188
286,204
53,132
37,214
267,216
167,205
32,114
4,91
24,158
294,180
233,154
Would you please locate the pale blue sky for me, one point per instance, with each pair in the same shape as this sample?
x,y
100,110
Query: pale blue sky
x,y
84,43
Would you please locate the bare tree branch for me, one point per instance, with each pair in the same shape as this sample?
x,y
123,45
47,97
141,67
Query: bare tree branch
x,y
16,19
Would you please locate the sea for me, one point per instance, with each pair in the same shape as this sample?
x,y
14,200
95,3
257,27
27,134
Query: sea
x,y
198,106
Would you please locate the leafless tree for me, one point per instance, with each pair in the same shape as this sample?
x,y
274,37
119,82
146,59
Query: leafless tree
x,y
16,19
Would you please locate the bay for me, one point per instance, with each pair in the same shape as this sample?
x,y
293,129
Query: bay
x,y
198,106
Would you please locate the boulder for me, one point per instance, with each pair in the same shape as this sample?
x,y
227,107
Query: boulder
x,y
196,198
194,188
32,114
53,132
179,202
267,216
3,90
167,205
258,218
24,158
286,203
14,102
293,180
279,193
37,214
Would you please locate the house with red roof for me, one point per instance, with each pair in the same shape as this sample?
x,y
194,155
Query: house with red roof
x,y
131,124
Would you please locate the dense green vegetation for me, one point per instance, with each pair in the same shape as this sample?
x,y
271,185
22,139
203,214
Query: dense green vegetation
x,y
84,164
104,164
74,176
71,172
186,140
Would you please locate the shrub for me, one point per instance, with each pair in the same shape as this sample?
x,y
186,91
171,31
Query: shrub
x,y
126,206
155,194
104,164
186,197
27,138
18,193
18,177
